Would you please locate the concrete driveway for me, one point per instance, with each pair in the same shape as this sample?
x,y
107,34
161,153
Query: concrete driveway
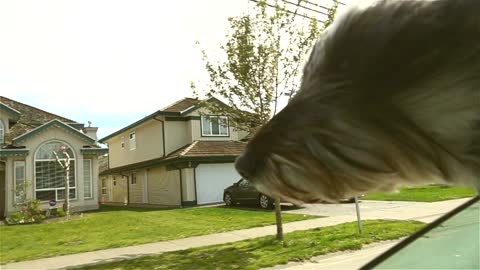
x,y
341,209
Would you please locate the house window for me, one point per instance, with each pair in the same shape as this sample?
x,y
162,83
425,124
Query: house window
x,y
19,181
133,142
2,132
87,178
104,186
122,143
214,126
50,176
134,178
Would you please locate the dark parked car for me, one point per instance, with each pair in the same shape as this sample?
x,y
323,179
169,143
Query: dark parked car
x,y
244,192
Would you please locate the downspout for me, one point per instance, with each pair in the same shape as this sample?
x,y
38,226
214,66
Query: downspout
x,y
181,188
128,188
195,183
5,203
163,133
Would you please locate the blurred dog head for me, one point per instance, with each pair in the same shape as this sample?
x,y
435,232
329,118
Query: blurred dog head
x,y
389,96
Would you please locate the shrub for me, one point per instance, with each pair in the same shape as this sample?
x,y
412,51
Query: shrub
x,y
60,212
30,213
29,209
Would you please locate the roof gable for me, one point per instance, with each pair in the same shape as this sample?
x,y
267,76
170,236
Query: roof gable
x,y
199,105
29,118
53,123
181,105
11,111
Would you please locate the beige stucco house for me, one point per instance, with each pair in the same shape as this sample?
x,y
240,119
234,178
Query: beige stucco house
x,y
28,137
177,156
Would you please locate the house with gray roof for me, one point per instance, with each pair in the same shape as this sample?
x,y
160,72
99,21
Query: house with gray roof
x,y
180,155
29,137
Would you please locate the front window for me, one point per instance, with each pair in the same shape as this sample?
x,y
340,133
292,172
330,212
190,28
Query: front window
x,y
134,178
214,126
19,181
87,178
2,132
49,174
244,183
104,186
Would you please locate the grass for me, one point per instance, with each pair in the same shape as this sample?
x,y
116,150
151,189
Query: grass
x,y
112,227
430,193
266,251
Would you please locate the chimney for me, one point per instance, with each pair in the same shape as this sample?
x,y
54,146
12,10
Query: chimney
x,y
91,131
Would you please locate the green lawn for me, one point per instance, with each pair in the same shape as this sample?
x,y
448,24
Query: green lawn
x,y
118,226
430,193
266,251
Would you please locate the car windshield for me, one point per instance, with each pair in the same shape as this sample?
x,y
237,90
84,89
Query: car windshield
x,y
244,183
452,242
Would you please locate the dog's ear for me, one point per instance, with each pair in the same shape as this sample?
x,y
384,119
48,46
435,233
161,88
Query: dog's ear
x,y
404,41
410,60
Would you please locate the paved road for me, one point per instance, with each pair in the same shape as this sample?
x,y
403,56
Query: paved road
x,y
340,260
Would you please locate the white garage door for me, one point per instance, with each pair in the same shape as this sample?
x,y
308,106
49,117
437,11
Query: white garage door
x,y
212,179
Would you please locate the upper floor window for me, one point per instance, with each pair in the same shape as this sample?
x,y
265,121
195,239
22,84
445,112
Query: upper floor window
x,y
2,132
133,141
214,126
122,143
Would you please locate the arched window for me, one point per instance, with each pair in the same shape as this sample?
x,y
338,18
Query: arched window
x,y
50,176
2,132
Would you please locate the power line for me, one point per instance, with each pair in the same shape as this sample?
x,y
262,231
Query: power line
x,y
289,11
304,7
317,5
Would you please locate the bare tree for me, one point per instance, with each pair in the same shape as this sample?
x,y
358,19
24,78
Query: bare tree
x,y
65,164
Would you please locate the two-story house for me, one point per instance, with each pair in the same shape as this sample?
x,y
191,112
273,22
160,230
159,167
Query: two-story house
x,y
28,138
177,156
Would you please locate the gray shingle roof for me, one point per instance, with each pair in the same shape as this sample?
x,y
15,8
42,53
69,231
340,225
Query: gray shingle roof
x,y
30,118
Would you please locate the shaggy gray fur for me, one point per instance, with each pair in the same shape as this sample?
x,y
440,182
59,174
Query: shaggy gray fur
x,y
390,96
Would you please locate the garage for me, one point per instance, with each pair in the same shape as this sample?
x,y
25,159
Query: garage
x,y
212,179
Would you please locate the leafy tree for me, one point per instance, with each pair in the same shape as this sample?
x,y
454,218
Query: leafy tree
x,y
264,54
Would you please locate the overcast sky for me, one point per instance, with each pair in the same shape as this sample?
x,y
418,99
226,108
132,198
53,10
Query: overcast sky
x,y
111,62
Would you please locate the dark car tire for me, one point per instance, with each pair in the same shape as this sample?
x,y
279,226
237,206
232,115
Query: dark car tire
x,y
265,202
228,199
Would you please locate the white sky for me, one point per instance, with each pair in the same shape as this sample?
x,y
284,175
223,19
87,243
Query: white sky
x,y
107,61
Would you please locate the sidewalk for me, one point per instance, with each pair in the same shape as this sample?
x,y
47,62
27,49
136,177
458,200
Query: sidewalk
x,y
425,212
